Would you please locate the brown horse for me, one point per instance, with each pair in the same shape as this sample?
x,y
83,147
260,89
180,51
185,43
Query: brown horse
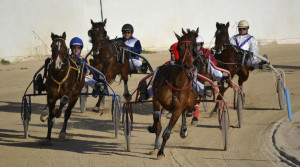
x,y
107,57
61,83
229,57
172,89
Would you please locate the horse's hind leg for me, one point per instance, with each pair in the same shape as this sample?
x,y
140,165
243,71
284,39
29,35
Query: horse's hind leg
x,y
183,131
167,133
51,105
126,91
68,112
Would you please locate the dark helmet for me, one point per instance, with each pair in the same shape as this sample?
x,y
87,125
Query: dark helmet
x,y
127,27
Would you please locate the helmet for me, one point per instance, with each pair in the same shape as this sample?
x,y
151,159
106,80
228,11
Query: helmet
x,y
243,24
127,27
199,40
76,41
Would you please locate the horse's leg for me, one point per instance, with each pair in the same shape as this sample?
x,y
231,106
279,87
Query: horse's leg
x,y
126,91
68,112
156,128
183,131
63,102
51,105
167,132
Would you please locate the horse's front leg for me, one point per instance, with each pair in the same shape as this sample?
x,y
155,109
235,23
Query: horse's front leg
x,y
62,134
156,128
63,101
126,91
167,133
183,131
51,105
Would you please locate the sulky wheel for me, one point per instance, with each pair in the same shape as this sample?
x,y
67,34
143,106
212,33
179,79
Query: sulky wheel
x,y
239,107
281,92
224,127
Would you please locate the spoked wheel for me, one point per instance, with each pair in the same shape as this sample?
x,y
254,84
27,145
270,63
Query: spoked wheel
x,y
116,115
83,99
239,108
25,115
281,92
224,127
127,128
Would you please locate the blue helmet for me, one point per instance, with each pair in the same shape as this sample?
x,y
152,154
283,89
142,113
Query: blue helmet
x,y
76,41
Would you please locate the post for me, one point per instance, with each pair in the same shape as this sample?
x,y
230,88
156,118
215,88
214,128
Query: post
x,y
101,10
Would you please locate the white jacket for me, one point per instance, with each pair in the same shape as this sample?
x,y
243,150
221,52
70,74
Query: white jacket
x,y
240,41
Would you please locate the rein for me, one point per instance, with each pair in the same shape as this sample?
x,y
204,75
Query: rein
x,y
176,89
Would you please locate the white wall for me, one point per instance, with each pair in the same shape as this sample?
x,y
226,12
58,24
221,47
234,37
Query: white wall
x,y
154,21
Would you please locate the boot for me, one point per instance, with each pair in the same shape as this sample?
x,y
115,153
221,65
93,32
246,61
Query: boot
x,y
144,67
225,80
144,95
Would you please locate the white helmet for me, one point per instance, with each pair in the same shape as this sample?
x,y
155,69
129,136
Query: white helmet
x,y
243,24
200,40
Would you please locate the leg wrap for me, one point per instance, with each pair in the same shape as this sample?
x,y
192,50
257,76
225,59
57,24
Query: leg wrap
x,y
157,115
166,133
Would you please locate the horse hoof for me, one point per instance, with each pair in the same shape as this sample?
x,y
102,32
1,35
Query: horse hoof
x,y
44,116
183,135
153,152
169,115
45,142
213,114
194,121
160,157
150,129
57,113
62,136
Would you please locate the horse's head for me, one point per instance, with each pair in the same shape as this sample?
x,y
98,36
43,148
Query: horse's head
x,y
98,34
186,46
222,37
59,50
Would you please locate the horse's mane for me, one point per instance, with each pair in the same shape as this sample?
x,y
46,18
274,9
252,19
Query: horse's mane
x,y
189,34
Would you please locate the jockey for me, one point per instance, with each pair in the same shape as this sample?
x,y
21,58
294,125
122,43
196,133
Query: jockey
x,y
134,45
76,46
216,74
247,42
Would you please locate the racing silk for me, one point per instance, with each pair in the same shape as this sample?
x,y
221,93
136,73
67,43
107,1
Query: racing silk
x,y
134,45
176,53
88,62
208,54
245,42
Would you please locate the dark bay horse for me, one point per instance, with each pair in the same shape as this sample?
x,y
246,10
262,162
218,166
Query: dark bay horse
x,y
61,83
229,57
107,57
172,89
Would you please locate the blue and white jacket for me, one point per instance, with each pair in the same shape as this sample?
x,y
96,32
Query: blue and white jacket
x,y
245,42
134,45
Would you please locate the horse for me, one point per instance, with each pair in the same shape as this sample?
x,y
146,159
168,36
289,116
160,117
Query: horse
x,y
172,90
229,57
62,83
107,57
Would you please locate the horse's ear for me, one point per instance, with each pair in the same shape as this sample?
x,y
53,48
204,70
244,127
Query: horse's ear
x,y
52,36
183,32
177,36
64,35
104,22
217,25
92,22
227,25
197,31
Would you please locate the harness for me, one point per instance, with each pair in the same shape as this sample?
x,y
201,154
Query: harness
x,y
65,78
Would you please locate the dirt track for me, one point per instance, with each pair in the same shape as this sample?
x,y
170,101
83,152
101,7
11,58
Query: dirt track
x,y
92,140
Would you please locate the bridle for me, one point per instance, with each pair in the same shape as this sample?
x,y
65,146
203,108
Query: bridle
x,y
187,51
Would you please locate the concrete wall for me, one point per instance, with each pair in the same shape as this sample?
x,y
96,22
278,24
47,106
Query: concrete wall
x,y
154,21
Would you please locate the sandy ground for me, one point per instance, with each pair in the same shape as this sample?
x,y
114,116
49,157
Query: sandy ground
x,y
267,137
